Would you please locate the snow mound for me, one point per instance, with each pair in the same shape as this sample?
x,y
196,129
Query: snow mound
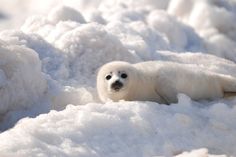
x,y
134,129
21,81
180,37
64,13
215,21
138,38
53,63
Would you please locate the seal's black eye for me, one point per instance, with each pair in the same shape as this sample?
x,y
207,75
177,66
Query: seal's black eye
x,y
108,77
124,75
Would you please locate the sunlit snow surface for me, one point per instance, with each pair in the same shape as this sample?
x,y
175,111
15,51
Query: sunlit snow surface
x,y
50,52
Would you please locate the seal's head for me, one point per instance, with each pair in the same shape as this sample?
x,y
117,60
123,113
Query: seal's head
x,y
114,80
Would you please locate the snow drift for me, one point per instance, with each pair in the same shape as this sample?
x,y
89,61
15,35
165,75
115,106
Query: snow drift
x,y
21,81
123,129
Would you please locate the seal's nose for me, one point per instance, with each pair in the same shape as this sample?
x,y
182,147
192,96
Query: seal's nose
x,y
117,85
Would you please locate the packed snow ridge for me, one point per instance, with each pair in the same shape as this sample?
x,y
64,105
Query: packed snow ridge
x,y
51,51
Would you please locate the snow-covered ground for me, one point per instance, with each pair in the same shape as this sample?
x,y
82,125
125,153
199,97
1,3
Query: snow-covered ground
x,y
51,50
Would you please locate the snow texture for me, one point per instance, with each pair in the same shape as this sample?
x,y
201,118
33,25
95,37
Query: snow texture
x,y
51,51
123,129
21,81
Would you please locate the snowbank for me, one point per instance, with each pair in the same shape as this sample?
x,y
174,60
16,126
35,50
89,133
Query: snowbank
x,y
124,129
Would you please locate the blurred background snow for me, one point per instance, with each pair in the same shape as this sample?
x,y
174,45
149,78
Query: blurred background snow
x,y
50,52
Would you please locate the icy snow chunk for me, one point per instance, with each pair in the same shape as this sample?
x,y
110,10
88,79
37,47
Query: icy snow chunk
x,y
37,24
64,13
218,33
22,82
180,36
198,153
60,29
52,61
138,38
183,99
48,30
130,38
166,24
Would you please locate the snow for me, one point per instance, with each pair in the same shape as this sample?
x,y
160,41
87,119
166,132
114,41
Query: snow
x,y
21,81
63,13
218,28
123,129
50,53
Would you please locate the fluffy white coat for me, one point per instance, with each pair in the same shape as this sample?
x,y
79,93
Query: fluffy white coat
x,y
161,82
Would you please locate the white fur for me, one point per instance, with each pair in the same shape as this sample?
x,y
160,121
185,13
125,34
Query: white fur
x,y
162,81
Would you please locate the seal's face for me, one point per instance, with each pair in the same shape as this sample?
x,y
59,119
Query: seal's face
x,y
114,81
